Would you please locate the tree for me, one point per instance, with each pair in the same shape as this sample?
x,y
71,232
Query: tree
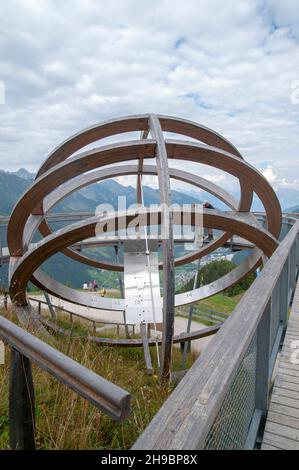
x,y
214,270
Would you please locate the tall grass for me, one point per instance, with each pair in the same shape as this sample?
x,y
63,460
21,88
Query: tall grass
x,y
66,421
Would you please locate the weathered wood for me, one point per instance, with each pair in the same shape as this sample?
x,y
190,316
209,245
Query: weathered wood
x,y
280,418
131,343
167,245
187,345
50,306
146,351
102,174
29,263
269,447
284,431
280,441
105,395
286,393
283,383
185,419
284,409
21,403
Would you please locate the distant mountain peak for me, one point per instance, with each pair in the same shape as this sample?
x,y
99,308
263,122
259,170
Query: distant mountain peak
x,y
23,173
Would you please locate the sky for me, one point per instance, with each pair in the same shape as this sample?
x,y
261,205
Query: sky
x,y
232,66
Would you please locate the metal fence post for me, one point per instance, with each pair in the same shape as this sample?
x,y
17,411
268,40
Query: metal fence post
x,y
262,384
21,403
263,360
284,293
293,266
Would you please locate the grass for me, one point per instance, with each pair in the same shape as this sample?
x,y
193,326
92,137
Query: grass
x,y
219,303
66,421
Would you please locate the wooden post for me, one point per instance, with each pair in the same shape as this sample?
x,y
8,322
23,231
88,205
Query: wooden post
x,y
21,403
146,350
167,246
122,292
50,306
187,344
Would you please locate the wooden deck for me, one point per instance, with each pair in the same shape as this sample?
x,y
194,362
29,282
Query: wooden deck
x,y
282,426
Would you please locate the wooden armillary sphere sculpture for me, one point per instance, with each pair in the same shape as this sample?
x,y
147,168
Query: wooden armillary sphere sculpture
x,y
66,170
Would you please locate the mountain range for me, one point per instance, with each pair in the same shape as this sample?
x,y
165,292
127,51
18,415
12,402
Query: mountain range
x,y
14,184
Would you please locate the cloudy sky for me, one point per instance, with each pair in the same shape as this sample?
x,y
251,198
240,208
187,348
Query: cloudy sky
x,y
232,66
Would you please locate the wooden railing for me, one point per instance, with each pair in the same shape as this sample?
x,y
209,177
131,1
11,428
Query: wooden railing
x,y
204,314
222,401
59,309
25,348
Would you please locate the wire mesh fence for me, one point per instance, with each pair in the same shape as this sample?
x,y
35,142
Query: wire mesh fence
x,y
230,428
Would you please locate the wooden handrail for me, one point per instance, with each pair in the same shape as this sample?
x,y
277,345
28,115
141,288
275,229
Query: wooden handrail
x,y
105,395
187,416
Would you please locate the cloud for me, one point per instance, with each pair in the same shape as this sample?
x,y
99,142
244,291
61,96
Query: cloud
x,y
229,68
269,174
280,182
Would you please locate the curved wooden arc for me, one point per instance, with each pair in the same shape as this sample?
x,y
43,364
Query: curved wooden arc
x,y
130,124
190,151
26,266
78,182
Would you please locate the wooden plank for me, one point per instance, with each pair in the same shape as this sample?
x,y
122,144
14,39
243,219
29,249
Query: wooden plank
x,y
286,393
287,365
284,409
268,447
146,350
285,401
283,419
283,383
282,430
287,354
287,371
280,441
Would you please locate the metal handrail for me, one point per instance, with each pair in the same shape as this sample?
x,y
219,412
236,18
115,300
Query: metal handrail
x,y
187,417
